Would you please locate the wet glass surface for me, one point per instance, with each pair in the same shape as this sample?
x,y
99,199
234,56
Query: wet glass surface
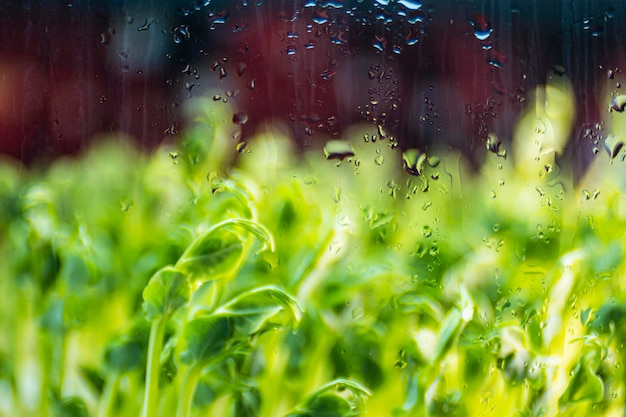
x,y
444,74
312,208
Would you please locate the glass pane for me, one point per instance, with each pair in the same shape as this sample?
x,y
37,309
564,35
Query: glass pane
x,y
312,208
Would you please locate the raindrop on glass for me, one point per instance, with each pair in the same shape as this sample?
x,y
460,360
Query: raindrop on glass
x,y
338,149
618,103
241,147
410,4
240,118
613,145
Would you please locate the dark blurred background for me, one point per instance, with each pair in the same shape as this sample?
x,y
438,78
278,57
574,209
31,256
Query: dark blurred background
x,y
445,72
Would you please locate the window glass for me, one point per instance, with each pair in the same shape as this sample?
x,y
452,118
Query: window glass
x,y
312,208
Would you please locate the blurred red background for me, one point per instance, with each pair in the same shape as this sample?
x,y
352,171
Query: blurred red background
x,y
448,73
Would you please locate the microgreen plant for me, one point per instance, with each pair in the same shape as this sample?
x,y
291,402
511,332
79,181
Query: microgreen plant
x,y
352,280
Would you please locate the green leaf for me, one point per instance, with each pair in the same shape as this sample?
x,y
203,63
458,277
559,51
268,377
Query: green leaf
x,y
252,309
328,405
584,385
205,337
221,251
357,353
422,304
449,331
332,400
72,407
166,292
125,356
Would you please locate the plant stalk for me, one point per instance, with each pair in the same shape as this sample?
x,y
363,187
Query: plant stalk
x,y
108,396
153,367
188,389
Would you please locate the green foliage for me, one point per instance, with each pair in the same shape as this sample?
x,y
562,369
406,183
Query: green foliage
x,y
221,283
166,292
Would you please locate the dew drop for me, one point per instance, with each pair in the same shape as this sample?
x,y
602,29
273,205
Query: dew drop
x,y
379,160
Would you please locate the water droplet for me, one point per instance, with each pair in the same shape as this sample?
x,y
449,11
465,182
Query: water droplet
x,y
426,231
290,50
482,35
381,132
613,145
400,364
357,313
495,63
338,149
410,4
379,43
558,70
413,161
609,13
493,145
241,68
482,30
241,147
320,17
379,160
434,161
310,44
597,31
618,103
126,205
146,25
240,118
105,38
222,72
